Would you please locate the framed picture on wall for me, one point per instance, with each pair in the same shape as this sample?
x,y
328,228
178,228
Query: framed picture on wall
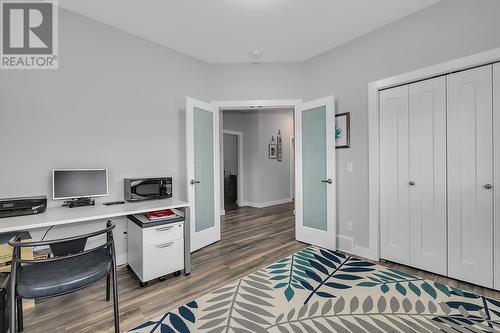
x,y
343,130
273,151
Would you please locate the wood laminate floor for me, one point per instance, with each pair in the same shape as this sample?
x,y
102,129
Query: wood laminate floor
x,y
251,238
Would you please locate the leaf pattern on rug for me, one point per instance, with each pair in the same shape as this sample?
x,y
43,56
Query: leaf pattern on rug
x,y
290,273
248,298
318,290
333,269
404,282
176,321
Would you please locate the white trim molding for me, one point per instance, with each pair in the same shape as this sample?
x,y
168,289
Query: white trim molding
x,y
257,104
265,204
345,244
479,59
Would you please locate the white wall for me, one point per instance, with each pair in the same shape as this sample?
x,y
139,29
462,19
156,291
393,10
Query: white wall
x,y
274,175
256,81
265,180
115,102
449,30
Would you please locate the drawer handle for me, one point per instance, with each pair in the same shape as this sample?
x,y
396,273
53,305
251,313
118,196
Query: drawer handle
x,y
165,228
162,246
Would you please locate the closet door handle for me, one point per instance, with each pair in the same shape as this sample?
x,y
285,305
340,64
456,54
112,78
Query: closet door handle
x,y
412,183
192,182
329,181
488,186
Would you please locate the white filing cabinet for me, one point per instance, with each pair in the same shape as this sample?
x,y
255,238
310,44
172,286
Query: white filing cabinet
x,y
157,250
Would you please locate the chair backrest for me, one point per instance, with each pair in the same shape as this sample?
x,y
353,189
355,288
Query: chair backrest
x,y
65,247
69,247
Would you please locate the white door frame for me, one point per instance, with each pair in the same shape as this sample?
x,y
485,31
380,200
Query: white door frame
x,y
251,104
483,58
240,163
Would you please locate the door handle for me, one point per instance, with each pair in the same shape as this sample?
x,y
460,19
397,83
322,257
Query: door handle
x,y
192,182
162,246
412,183
164,228
329,181
488,186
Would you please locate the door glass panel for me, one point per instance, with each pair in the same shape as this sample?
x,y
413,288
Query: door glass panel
x,y
203,169
314,168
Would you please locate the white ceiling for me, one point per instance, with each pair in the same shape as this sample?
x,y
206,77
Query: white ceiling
x,y
226,31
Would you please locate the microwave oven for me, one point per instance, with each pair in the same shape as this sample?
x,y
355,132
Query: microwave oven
x,y
138,189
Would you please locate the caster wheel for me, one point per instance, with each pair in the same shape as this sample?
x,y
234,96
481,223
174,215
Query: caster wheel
x,y
143,284
187,274
163,278
178,273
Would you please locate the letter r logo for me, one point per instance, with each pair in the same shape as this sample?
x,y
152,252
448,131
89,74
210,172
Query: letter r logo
x,y
27,27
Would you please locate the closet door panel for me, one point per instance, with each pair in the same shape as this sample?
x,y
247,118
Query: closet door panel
x,y
470,169
427,114
394,168
496,185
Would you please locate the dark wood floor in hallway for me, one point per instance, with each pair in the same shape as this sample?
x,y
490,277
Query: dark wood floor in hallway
x,y
251,238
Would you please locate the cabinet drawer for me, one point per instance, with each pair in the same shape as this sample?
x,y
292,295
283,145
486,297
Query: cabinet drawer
x,y
162,233
162,259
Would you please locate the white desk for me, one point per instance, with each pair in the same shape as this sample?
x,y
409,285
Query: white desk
x,y
64,215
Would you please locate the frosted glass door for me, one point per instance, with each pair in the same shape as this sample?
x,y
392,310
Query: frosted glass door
x,y
202,169
315,173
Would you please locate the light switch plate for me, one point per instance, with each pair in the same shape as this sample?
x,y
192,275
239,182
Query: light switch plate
x,y
348,226
349,167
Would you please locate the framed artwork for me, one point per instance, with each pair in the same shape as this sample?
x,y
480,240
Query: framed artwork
x,y
273,151
343,130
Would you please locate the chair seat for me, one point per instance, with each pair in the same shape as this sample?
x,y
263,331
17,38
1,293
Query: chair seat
x,y
48,279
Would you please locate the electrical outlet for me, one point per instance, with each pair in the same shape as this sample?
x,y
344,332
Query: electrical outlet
x,y
349,167
348,226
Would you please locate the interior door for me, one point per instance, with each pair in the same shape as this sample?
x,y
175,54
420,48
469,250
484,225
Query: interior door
x,y
315,183
427,119
496,185
470,176
202,142
394,175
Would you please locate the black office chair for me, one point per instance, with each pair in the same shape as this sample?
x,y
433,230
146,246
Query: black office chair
x,y
72,268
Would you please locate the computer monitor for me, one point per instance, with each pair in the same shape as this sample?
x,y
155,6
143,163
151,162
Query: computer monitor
x,y
79,183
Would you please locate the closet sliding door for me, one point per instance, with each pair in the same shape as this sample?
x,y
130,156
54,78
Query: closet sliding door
x,y
427,119
470,176
496,185
394,169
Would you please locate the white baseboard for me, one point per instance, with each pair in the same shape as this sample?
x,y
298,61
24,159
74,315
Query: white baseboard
x,y
223,212
264,204
364,252
345,244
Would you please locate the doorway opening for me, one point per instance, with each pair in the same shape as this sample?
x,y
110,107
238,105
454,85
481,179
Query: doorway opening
x,y
260,142
232,168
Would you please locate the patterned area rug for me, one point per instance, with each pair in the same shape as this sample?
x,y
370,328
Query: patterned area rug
x,y
316,290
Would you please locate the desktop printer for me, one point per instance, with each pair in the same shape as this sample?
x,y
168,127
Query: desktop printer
x,y
22,206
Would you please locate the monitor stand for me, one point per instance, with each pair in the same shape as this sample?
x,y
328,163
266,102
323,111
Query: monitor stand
x,y
79,202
